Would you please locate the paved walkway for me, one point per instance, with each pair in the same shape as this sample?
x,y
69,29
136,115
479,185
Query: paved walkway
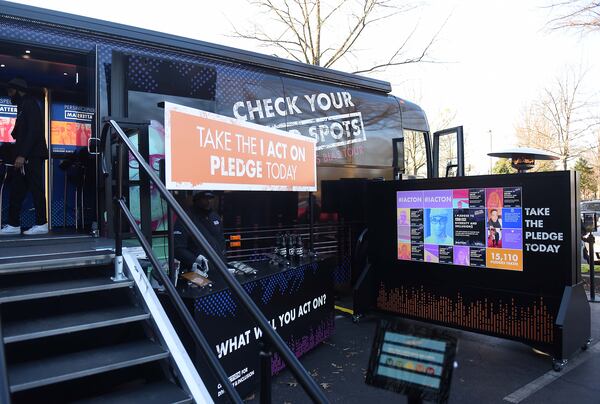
x,y
491,370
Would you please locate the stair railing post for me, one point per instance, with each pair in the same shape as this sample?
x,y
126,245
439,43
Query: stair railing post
x,y
4,386
265,371
311,225
119,274
592,257
173,272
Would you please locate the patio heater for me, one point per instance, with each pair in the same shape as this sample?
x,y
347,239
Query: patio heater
x,y
523,159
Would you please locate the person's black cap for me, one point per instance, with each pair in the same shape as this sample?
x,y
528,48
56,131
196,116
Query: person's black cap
x,y
18,84
203,194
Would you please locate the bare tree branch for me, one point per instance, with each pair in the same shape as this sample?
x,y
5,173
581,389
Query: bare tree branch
x,y
583,15
312,30
560,121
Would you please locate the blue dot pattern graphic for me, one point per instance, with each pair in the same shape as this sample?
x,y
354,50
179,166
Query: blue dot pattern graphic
x,y
342,272
222,304
228,86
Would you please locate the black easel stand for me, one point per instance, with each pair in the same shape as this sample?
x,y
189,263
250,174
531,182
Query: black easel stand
x,y
265,372
414,399
591,240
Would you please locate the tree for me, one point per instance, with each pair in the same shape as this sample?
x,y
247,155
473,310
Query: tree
x,y
448,143
560,120
587,180
593,157
415,155
322,33
503,166
581,15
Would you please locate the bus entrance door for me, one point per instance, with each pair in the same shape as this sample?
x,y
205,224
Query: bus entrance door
x,y
448,153
63,83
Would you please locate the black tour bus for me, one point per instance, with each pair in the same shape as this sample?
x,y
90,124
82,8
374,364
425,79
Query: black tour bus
x,y
84,69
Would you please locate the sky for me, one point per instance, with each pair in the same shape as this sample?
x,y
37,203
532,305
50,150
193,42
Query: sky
x,y
492,58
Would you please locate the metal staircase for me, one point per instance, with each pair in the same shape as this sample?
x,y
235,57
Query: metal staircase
x,y
72,334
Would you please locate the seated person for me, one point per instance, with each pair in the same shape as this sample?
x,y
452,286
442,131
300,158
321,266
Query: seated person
x,y
187,251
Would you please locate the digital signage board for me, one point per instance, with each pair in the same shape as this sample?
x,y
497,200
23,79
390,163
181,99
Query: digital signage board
x,y
8,117
492,254
479,227
70,127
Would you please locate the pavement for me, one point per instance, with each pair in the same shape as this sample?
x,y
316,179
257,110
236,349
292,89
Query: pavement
x,y
490,370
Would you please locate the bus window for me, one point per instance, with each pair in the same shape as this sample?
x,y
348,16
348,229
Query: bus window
x,y
448,161
415,154
448,153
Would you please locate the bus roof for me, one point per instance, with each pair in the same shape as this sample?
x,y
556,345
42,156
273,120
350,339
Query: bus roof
x,y
134,34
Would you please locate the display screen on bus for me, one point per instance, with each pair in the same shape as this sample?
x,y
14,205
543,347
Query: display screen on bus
x,y
473,227
8,116
70,127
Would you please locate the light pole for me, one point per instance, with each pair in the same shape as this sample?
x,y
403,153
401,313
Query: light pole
x,y
491,149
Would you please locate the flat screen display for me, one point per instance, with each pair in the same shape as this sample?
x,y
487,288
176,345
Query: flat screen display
x,y
469,227
8,117
70,127
413,360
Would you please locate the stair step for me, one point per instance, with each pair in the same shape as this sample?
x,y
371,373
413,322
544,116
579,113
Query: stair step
x,y
37,373
16,331
63,287
153,393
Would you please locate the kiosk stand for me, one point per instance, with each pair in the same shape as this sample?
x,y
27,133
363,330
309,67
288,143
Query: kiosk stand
x,y
498,255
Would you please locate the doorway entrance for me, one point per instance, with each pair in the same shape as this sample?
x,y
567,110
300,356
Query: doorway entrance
x,y
63,82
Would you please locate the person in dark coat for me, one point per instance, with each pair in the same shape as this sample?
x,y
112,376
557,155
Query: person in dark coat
x,y
31,151
210,225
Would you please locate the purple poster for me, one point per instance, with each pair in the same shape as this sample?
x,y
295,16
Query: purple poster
x,y
403,217
404,234
409,199
461,255
432,253
512,239
437,199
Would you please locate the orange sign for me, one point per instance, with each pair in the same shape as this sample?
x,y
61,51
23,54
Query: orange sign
x,y
503,258
207,151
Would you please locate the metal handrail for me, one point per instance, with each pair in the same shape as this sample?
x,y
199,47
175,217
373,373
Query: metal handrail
x,y
4,386
179,305
309,385
176,300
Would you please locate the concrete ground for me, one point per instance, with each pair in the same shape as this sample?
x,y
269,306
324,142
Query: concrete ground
x,y
490,370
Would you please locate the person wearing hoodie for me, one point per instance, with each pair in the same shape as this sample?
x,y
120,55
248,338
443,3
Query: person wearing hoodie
x,y
28,168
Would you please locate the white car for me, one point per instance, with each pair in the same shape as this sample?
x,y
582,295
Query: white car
x,y
594,207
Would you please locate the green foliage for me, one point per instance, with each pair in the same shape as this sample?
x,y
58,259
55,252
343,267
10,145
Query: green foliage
x,y
587,179
544,165
503,166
